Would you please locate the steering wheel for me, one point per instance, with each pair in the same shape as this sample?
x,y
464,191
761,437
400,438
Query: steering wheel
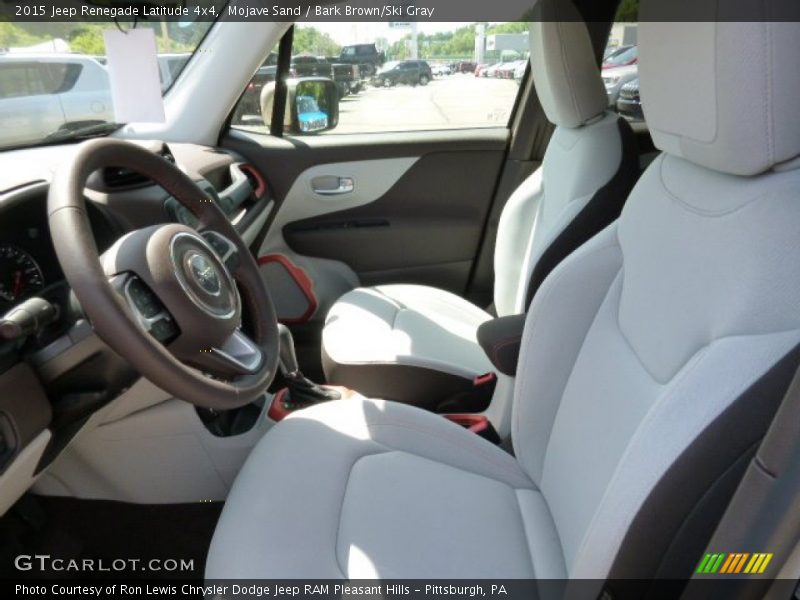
x,y
168,298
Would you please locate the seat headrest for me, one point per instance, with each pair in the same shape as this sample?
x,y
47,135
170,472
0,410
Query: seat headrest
x,y
563,65
720,93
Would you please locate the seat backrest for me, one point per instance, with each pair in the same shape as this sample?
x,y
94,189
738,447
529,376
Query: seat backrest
x,y
645,341
588,169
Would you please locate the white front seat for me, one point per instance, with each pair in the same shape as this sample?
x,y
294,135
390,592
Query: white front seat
x,y
642,352
418,344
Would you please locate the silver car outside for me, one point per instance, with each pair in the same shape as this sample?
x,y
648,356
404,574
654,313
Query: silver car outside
x,y
43,93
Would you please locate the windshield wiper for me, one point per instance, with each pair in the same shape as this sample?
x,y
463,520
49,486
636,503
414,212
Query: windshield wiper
x,y
84,132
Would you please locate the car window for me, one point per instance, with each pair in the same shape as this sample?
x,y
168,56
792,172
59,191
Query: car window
x,y
247,112
63,76
407,76
176,65
623,57
68,59
22,79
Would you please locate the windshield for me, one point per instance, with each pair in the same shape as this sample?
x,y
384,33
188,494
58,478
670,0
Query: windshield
x,y
54,83
622,57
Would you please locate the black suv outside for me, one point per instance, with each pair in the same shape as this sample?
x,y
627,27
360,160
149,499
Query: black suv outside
x,y
366,56
411,72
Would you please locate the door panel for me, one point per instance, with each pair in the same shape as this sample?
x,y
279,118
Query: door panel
x,y
416,213
425,229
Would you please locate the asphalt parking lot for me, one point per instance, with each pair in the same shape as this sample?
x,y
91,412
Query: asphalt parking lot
x,y
451,101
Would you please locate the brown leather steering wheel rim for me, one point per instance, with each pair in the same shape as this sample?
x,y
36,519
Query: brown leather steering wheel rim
x,y
108,313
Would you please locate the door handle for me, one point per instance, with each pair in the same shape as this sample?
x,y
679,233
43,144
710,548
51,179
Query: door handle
x,y
330,185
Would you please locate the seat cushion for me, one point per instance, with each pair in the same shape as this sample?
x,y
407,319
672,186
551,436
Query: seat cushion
x,y
430,333
364,488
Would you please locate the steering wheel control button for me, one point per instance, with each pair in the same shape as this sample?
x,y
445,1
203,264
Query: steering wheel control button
x,y
163,330
204,273
150,312
203,276
143,299
225,249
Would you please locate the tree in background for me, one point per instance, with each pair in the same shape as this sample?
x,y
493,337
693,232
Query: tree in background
x,y
310,40
628,11
515,27
12,35
87,38
450,44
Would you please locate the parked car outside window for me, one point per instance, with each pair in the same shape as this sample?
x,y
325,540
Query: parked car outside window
x,y
388,80
50,90
41,94
629,105
410,72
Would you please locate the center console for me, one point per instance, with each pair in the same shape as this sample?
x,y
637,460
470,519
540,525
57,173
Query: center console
x,y
300,392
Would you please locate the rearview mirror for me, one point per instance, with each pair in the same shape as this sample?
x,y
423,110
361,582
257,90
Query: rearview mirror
x,y
314,105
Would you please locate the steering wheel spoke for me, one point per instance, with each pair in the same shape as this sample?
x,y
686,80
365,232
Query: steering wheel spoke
x,y
225,248
146,307
237,355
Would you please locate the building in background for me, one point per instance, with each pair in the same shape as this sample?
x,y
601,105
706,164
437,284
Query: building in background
x,y
622,34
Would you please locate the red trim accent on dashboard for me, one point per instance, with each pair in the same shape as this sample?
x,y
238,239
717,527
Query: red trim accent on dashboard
x,y
475,423
302,279
262,185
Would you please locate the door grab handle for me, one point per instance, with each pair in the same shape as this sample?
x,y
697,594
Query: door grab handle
x,y
331,186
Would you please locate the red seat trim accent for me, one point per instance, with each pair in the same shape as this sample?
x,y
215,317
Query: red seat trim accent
x,y
475,423
484,379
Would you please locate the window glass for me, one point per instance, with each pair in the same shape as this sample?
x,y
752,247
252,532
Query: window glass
x,y
623,56
18,80
404,76
620,69
62,75
39,61
247,113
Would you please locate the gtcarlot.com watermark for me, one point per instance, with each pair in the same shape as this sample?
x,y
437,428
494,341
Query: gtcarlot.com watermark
x,y
45,562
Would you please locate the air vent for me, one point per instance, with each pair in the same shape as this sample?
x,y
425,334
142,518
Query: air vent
x,y
119,177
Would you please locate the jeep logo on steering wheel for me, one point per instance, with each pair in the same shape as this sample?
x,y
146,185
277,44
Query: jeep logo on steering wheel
x,y
204,273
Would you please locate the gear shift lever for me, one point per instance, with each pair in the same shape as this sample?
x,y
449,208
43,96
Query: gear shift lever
x,y
302,391
287,356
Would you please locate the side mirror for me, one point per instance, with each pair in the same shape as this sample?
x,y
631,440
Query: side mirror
x,y
314,104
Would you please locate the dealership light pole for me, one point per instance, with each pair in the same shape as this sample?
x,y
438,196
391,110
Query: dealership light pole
x,y
414,42
480,42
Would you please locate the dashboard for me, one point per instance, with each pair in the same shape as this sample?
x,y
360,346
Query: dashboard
x,y
53,379
28,264
119,201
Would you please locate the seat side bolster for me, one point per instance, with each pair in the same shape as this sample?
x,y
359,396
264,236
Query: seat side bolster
x,y
557,322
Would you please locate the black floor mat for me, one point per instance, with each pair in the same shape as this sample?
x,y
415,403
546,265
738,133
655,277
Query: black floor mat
x,y
106,531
